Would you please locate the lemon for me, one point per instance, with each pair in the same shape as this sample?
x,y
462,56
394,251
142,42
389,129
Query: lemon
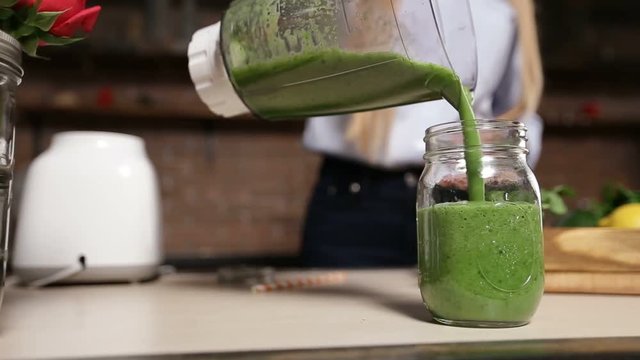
x,y
625,216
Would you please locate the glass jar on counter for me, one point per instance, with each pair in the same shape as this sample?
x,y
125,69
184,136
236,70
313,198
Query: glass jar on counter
x,y
481,262
10,77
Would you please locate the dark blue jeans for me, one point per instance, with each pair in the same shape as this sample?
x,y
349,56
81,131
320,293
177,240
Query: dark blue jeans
x,y
361,217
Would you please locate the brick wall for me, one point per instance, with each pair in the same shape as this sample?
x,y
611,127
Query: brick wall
x,y
225,192
588,158
231,190
242,190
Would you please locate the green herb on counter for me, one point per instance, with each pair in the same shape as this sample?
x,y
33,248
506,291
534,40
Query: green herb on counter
x,y
612,197
553,199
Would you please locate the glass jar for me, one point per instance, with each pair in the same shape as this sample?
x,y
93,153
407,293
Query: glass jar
x,y
481,262
300,58
10,77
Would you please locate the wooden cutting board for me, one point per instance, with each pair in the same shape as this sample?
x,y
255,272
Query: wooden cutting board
x,y
622,283
592,260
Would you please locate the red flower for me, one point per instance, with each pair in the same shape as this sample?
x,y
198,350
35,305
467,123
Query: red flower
x,y
75,15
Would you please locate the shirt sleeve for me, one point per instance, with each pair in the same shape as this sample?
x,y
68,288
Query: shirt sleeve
x,y
507,95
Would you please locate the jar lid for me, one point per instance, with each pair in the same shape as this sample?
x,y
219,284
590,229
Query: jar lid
x,y
11,52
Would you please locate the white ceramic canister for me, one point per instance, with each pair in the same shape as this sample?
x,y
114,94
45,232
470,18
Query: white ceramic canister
x,y
90,212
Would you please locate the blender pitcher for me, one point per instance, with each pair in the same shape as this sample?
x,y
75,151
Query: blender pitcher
x,y
283,59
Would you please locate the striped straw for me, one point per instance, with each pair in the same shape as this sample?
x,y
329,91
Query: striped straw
x,y
332,278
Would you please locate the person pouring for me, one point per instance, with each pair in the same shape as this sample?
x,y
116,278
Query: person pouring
x,y
362,210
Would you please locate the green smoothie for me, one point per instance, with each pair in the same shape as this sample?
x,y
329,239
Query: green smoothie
x,y
333,81
481,261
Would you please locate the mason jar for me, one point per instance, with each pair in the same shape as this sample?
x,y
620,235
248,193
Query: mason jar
x,y
481,262
10,77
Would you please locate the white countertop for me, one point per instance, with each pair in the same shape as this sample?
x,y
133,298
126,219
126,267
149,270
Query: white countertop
x,y
190,313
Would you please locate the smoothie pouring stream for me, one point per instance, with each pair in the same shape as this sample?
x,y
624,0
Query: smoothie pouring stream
x,y
283,59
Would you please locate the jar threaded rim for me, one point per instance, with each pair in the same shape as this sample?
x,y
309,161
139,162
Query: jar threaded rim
x,y
497,135
11,53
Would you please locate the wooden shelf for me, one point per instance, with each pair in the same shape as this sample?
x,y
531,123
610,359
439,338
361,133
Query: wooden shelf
x,y
180,101
131,100
579,110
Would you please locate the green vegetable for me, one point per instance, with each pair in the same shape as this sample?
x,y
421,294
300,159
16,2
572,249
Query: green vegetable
x,y
613,196
553,200
580,218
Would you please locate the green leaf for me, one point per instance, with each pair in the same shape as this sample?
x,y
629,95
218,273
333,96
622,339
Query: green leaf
x,y
614,195
30,45
564,190
8,3
6,13
580,218
629,195
58,41
552,201
21,14
32,12
609,194
44,20
23,30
